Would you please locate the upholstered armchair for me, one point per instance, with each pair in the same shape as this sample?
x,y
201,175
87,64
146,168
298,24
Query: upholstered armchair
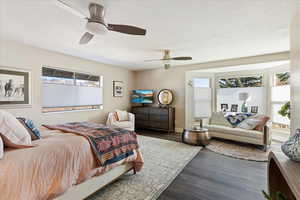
x,y
128,124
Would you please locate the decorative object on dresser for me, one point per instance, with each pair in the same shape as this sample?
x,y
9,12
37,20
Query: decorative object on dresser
x,y
165,97
14,87
196,137
155,118
291,148
121,119
118,88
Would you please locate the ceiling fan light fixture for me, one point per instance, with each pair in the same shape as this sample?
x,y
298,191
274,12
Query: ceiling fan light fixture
x,y
167,62
96,28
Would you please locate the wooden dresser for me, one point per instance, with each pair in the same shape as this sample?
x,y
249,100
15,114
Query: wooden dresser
x,y
283,176
155,118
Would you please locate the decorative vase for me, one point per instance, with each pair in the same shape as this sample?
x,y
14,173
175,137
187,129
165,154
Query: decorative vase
x,y
291,148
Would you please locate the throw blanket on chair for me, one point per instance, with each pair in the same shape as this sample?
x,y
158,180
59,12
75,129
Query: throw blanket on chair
x,y
109,144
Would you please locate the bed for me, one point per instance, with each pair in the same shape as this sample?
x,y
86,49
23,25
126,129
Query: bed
x,y
62,165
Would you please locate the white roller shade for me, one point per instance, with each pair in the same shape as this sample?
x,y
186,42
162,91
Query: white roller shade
x,y
55,95
202,102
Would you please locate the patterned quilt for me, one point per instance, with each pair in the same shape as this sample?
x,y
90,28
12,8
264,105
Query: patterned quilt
x,y
109,144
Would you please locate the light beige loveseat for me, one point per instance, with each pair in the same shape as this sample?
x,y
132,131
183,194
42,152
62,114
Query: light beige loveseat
x,y
262,138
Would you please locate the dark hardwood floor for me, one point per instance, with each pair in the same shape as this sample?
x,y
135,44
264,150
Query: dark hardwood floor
x,y
211,176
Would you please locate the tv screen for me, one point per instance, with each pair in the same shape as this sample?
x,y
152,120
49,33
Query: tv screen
x,y
142,96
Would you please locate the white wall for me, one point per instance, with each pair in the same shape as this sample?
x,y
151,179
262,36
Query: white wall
x,y
15,55
295,68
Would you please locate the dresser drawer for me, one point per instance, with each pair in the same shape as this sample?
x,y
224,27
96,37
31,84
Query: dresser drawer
x,y
140,110
159,118
139,116
158,111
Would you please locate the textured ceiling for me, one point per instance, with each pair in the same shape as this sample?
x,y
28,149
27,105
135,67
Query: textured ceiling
x,y
207,30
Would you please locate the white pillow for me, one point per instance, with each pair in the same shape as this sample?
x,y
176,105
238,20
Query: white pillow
x,y
249,124
13,133
217,118
122,115
1,148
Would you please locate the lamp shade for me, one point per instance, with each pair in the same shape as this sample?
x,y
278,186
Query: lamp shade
x,y
243,96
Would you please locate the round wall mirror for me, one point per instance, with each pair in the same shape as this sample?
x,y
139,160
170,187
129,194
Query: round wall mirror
x,y
165,97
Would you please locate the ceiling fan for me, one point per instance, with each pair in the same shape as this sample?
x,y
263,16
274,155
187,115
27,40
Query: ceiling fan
x,y
167,59
96,24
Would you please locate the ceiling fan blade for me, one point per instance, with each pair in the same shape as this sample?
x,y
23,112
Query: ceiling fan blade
x,y
132,30
153,60
181,58
65,5
86,38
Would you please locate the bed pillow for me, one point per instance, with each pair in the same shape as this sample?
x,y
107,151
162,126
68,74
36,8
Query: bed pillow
x,y
1,148
31,128
249,124
13,133
217,118
122,115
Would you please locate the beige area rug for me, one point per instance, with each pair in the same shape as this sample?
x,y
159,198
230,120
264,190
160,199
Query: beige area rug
x,y
164,160
241,150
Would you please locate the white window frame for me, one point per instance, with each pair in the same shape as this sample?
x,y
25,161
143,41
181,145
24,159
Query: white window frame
x,y
272,84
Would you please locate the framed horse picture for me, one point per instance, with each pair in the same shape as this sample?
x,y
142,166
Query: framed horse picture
x,y
14,87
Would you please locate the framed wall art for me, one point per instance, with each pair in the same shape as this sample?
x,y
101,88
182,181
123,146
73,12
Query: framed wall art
x,y
14,87
118,88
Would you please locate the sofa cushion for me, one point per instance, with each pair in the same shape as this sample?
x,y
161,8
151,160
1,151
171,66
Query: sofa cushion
x,y
234,131
263,119
218,118
122,115
249,124
235,120
124,124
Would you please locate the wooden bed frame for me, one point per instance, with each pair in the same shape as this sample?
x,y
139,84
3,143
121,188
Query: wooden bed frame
x,y
87,188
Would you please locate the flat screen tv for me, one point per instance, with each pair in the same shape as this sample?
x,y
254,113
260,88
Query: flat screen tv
x,y
142,96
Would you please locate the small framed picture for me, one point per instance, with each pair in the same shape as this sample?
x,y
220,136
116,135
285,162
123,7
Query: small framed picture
x,y
224,107
234,108
14,87
118,89
254,109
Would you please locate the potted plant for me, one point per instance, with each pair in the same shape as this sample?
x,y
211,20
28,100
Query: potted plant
x,y
279,196
285,110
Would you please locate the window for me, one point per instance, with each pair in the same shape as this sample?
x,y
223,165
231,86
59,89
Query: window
x,y
280,94
202,97
241,82
231,87
70,91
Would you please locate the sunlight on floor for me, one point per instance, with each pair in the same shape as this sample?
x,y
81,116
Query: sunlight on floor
x,y
280,134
